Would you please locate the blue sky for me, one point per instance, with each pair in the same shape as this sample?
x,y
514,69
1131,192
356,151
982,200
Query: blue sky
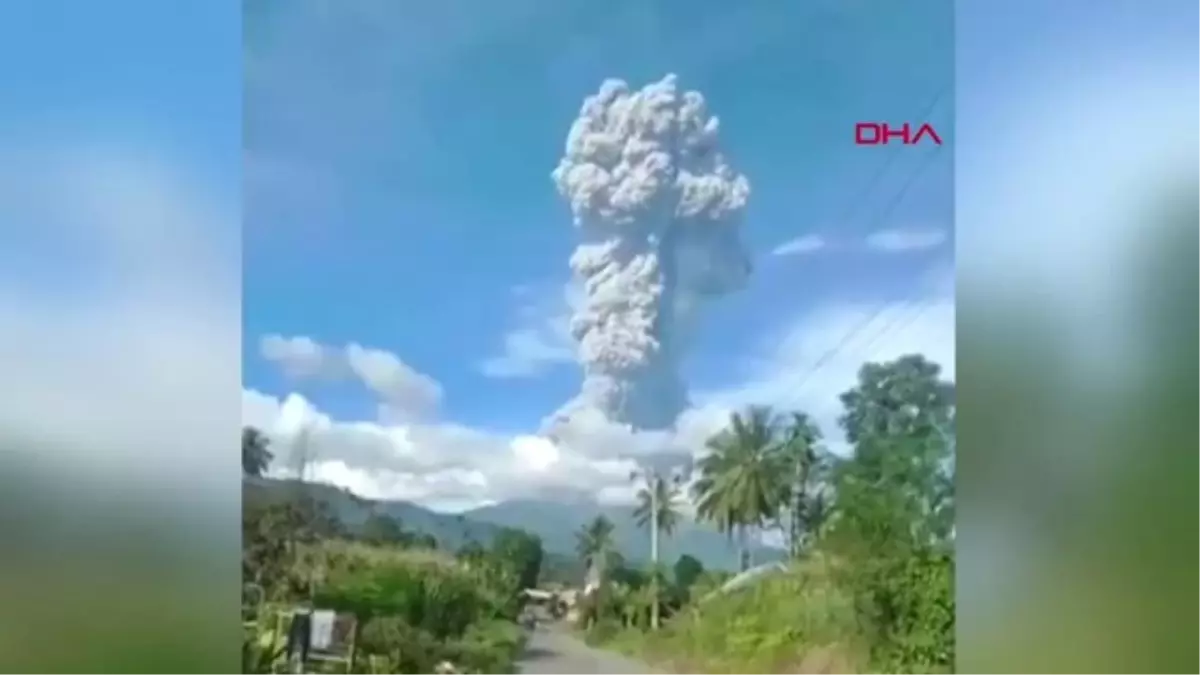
x,y
397,173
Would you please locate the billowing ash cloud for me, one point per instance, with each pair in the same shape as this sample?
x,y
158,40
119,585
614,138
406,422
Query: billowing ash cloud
x,y
658,210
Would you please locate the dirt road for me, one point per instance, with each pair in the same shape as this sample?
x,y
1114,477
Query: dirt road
x,y
554,651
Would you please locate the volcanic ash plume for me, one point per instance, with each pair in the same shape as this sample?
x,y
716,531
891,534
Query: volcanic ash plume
x,y
659,211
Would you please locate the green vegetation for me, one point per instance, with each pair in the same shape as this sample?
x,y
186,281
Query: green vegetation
x,y
558,522
868,587
595,543
415,608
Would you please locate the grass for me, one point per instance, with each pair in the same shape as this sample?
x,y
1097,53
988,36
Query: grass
x,y
798,621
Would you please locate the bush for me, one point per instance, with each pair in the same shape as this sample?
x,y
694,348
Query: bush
x,y
418,609
908,604
892,614
490,647
770,626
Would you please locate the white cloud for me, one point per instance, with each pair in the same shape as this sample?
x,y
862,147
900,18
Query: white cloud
x,y
455,467
433,464
445,465
809,243
404,392
901,240
401,388
542,337
299,357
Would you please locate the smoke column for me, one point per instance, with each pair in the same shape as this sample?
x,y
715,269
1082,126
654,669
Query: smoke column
x,y
658,210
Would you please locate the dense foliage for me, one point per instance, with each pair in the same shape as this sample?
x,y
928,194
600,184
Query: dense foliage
x,y
415,608
870,534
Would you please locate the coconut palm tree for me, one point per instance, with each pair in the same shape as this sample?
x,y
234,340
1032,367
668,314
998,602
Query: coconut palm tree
x,y
594,542
596,549
658,511
665,499
741,484
256,455
804,464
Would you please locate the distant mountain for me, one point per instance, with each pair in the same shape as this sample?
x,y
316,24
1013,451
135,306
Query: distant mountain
x,y
555,522
451,531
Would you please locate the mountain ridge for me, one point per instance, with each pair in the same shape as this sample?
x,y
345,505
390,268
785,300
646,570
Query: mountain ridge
x,y
554,522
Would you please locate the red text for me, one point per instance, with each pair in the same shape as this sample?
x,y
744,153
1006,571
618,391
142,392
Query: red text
x,y
879,133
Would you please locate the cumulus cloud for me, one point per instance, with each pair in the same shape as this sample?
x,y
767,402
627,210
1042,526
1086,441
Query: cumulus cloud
x,y
901,240
298,357
435,464
805,366
402,390
809,243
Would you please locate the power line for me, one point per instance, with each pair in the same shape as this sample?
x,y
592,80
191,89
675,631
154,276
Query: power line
x,y
899,322
925,162
833,351
887,163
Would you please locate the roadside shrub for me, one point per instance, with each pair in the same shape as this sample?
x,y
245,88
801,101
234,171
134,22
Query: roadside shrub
x,y
417,610
490,647
908,604
769,626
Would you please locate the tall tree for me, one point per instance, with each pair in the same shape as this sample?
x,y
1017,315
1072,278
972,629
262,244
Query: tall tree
x,y
594,543
665,499
891,507
687,570
657,511
805,465
256,453
522,552
741,485
896,485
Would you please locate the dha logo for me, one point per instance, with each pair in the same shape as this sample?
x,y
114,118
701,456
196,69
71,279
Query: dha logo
x,y
879,133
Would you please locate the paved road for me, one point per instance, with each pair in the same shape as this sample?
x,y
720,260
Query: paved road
x,y
553,651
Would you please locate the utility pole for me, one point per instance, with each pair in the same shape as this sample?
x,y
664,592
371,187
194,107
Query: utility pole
x,y
654,548
652,479
305,503
654,483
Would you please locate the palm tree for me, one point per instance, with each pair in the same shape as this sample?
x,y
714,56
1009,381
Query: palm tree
x,y
594,543
658,511
256,456
741,481
665,500
804,463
